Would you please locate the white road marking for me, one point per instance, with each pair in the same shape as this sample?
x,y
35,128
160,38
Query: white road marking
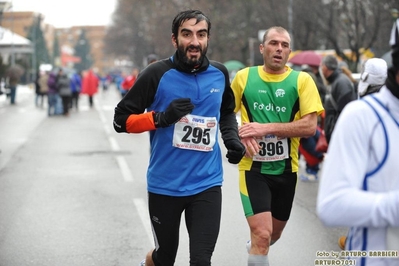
x,y
126,173
142,210
114,144
107,129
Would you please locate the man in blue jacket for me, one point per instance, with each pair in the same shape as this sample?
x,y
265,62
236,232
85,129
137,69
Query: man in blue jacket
x,y
188,100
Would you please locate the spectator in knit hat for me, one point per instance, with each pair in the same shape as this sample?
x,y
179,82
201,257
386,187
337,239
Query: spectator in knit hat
x,y
152,58
341,92
373,76
359,186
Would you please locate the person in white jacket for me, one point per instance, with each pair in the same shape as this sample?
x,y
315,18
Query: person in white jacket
x,y
359,186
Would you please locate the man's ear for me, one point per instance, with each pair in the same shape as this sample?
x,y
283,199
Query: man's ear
x,y
174,41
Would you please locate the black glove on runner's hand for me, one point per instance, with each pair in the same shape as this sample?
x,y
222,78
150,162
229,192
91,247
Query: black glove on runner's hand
x,y
176,110
235,151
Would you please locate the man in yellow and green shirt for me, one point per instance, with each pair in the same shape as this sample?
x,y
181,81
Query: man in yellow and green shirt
x,y
278,106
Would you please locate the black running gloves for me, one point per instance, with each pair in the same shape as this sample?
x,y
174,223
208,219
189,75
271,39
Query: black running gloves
x,y
235,151
176,110
232,142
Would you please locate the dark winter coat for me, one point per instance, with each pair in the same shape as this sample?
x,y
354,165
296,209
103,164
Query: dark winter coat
x,y
342,92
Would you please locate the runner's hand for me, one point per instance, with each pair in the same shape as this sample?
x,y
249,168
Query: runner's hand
x,y
235,151
176,110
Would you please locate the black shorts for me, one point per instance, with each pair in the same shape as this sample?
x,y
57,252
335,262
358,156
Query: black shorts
x,y
202,216
267,193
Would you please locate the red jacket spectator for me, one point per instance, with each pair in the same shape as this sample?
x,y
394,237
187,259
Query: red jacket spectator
x,y
90,83
128,82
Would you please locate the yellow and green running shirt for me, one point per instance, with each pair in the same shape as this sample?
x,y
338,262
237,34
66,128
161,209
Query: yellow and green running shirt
x,y
274,98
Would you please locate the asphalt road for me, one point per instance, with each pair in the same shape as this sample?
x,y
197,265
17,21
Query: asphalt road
x,y
73,193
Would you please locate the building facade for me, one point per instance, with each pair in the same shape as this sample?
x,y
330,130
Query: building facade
x,y
21,22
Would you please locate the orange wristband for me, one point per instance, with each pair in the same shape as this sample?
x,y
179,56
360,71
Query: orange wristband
x,y
140,123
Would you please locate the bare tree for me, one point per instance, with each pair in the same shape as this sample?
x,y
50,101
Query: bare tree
x,y
142,27
353,24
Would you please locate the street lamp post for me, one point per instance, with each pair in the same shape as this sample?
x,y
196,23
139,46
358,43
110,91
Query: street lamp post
x,y
34,54
290,23
12,40
394,14
251,43
4,6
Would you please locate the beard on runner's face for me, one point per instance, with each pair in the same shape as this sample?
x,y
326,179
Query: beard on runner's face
x,y
188,60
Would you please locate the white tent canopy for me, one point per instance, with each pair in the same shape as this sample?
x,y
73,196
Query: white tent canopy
x,y
11,42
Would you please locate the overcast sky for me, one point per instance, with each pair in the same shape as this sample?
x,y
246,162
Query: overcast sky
x,y
69,13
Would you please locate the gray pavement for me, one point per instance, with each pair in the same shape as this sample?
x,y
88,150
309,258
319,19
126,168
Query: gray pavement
x,y
73,193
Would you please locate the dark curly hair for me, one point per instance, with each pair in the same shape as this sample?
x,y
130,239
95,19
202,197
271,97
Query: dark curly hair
x,y
183,16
